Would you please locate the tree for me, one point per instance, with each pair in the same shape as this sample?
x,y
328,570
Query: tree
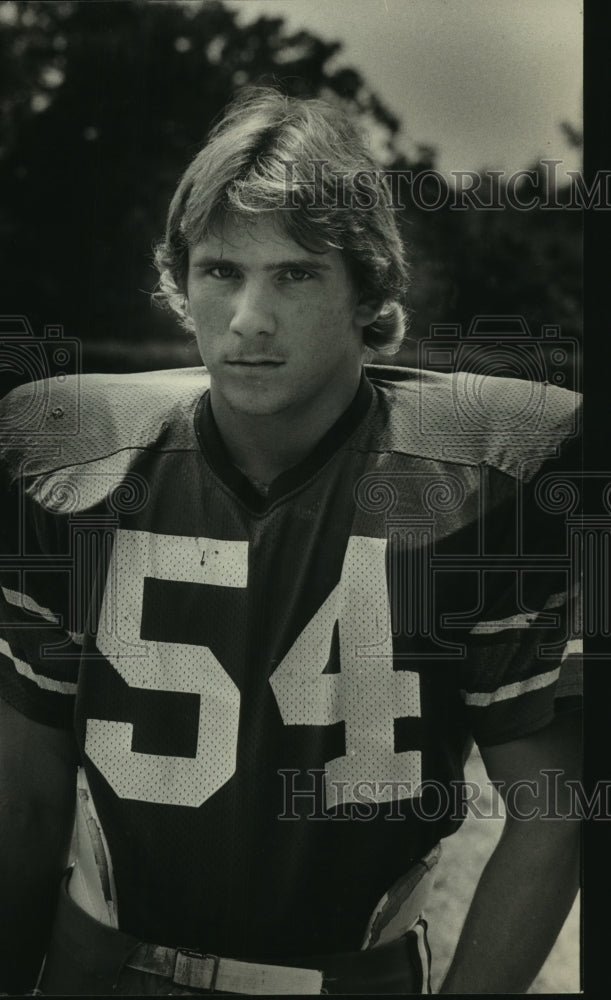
x,y
500,262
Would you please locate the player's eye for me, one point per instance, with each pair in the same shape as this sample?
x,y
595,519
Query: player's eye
x,y
221,271
297,274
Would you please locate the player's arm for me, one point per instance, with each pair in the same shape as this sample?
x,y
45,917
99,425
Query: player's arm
x,y
37,792
529,884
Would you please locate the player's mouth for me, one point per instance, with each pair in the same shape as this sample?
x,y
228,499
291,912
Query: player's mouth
x,y
255,363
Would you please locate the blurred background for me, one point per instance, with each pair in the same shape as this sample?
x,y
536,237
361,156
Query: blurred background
x,y
104,104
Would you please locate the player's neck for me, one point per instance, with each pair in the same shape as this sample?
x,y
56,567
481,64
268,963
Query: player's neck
x,y
263,446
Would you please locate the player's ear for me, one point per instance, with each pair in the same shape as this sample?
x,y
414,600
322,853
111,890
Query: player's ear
x,y
367,312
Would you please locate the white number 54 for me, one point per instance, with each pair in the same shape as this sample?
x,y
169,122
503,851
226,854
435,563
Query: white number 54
x,y
367,694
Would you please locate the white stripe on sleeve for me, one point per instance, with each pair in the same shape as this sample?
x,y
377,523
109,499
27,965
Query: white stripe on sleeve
x,y
483,698
47,683
19,600
522,620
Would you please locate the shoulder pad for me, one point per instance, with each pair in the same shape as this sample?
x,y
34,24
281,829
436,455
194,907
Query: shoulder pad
x,y
51,424
511,424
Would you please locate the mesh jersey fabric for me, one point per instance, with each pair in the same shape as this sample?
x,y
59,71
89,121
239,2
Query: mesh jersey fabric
x,y
274,696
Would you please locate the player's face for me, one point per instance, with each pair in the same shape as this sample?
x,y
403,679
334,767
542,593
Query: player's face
x,y
280,328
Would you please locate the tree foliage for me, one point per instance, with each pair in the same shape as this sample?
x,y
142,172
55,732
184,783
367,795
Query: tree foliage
x,y
502,262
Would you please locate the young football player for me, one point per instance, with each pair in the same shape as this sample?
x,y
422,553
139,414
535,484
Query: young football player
x,y
255,614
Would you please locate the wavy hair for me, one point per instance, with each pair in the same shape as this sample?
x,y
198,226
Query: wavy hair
x,y
307,160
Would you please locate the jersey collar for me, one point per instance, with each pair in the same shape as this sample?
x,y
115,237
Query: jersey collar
x,y
217,456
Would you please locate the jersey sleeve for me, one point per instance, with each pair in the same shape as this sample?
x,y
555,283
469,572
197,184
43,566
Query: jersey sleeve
x,y
39,642
523,661
38,659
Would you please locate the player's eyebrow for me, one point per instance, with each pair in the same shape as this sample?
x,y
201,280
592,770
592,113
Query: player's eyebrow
x,y
305,263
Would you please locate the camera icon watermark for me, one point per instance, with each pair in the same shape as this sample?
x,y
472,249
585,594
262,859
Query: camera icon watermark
x,y
45,363
494,347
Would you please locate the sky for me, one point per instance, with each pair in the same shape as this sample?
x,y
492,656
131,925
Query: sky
x,y
485,82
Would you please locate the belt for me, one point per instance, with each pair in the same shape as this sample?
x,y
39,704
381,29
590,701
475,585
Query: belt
x,y
228,975
225,975
86,958
401,965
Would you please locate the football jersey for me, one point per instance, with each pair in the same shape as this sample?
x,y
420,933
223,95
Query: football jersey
x,y
274,696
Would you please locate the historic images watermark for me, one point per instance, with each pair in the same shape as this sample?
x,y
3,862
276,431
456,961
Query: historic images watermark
x,y
312,795
546,188
500,345
45,362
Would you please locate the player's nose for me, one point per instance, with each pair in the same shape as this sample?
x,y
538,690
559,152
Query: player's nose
x,y
253,310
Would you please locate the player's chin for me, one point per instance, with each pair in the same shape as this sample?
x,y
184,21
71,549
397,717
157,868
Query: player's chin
x,y
257,400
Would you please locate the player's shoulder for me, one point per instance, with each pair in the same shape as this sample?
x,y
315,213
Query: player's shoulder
x,y
472,418
83,418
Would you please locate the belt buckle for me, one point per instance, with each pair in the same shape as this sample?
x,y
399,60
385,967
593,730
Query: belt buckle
x,y
193,968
